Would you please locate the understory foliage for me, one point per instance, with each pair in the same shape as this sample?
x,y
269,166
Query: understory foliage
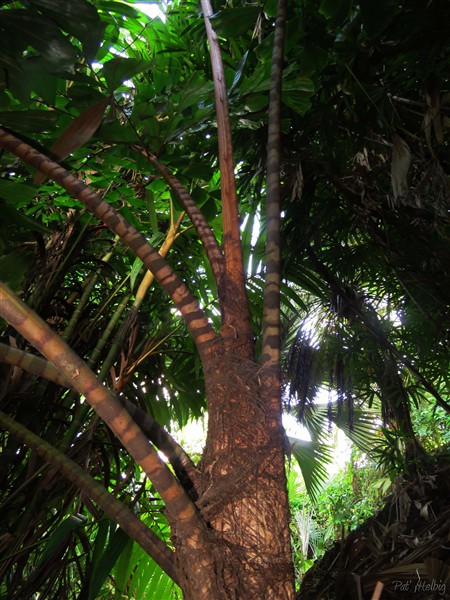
x,y
359,490
365,227
366,214
348,499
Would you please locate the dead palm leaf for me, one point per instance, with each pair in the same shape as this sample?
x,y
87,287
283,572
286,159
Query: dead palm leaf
x,y
401,161
77,134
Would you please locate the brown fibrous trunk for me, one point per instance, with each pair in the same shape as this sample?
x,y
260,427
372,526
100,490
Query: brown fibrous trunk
x,y
245,550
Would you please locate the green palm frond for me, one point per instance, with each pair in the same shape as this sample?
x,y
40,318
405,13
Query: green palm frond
x,y
313,458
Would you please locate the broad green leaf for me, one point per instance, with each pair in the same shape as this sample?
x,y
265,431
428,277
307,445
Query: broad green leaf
x,y
100,542
259,80
43,35
153,217
117,542
336,10
312,60
39,80
233,22
15,192
77,17
300,102
13,266
123,9
197,90
291,298
119,69
256,103
270,8
299,84
148,580
130,216
122,570
11,216
59,537
74,16
296,94
312,458
135,270
29,120
363,432
116,133
294,33
239,71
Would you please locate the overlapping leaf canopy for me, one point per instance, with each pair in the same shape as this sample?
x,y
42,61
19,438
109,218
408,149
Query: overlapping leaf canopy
x,y
365,219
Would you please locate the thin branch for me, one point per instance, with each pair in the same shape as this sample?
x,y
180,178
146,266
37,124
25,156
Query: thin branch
x,y
179,506
188,306
116,510
204,231
87,290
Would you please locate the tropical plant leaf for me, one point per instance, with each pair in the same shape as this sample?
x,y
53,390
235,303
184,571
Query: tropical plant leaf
x,y
135,270
15,192
19,219
313,458
236,21
77,17
77,134
364,428
118,69
29,120
13,267
117,544
59,537
43,35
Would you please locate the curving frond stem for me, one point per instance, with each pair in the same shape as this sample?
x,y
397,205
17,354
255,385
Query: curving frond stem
x,y
116,510
183,466
230,216
179,506
204,231
185,302
32,364
185,470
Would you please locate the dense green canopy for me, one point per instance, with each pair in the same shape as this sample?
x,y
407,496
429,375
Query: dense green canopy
x,y
365,230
